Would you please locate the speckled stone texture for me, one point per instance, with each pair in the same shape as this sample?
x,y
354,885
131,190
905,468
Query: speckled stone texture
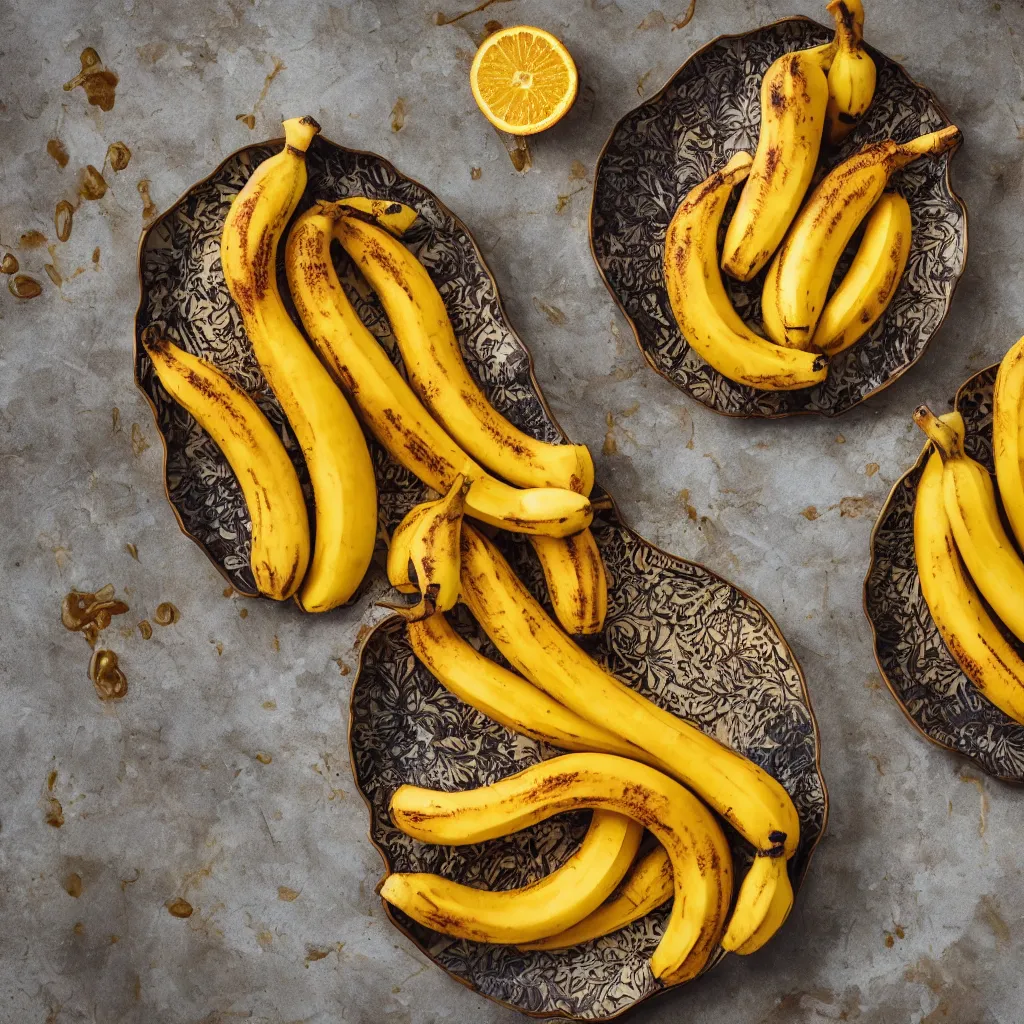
x,y
221,783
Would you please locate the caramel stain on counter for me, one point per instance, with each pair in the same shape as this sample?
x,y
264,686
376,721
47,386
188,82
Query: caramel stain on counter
x,y
132,550
139,442
980,786
32,239
96,257
610,446
475,173
79,928
149,210
23,287
73,885
854,508
440,18
398,115
988,910
249,120
653,20
145,629
269,705
263,757
343,669
58,151
684,500
553,313
228,591
287,894
53,274
179,907
9,264
686,18
54,810
313,954
811,513
166,614
89,614
565,198
97,81
115,420
106,675
118,156
871,468
243,613
63,217
91,183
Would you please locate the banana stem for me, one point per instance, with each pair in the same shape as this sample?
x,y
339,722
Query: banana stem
x,y
932,144
946,440
849,18
299,132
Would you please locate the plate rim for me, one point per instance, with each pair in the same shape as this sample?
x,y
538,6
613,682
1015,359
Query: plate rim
x,y
872,560
391,620
654,98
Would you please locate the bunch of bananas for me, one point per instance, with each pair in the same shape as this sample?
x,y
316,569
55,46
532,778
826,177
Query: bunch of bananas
x,y
805,95
962,547
429,428
637,766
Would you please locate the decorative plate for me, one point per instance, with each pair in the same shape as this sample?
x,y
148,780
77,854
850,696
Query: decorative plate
x,y
185,296
709,110
937,697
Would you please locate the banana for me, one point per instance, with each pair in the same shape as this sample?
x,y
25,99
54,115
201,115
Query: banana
x,y
388,406
851,78
794,94
395,218
973,513
332,443
432,554
645,888
771,900
702,309
577,584
399,549
1008,436
280,524
968,632
507,698
753,802
550,904
798,278
778,910
438,372
696,845
869,285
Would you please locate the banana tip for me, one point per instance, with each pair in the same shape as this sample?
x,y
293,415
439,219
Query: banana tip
x,y
153,341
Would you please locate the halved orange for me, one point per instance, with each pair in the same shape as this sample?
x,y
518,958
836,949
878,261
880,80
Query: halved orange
x,y
523,79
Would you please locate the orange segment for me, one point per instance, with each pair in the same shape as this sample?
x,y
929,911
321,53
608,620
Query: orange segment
x,y
523,79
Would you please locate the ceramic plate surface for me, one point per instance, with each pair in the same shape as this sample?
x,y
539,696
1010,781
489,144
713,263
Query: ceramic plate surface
x,y
685,637
710,110
921,673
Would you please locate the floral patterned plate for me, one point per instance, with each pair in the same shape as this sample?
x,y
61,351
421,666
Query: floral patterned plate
x,y
685,637
709,110
940,701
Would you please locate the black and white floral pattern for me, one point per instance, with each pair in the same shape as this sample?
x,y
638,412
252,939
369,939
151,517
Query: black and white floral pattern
x,y
687,640
921,673
710,110
683,636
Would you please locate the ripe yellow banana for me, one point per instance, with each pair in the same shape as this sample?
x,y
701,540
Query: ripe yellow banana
x,y
270,485
387,404
794,94
702,309
399,548
439,375
851,78
869,285
971,636
328,433
645,888
798,279
548,905
778,910
753,802
432,555
1008,436
973,513
507,698
577,584
753,924
696,845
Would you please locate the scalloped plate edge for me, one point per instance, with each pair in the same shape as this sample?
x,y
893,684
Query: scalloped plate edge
x,y
632,325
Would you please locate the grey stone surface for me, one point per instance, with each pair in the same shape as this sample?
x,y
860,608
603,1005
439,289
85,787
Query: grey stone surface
x,y
913,910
